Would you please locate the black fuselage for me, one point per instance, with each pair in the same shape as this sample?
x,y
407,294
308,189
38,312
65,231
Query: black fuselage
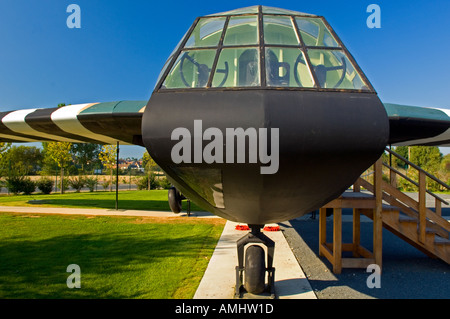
x,y
326,140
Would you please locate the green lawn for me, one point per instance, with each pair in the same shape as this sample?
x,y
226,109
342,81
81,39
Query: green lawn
x,y
119,257
141,200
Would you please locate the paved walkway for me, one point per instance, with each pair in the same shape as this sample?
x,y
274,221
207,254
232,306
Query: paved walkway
x,y
219,279
99,212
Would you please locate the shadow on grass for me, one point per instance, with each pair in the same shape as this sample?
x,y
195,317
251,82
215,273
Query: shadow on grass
x,y
113,265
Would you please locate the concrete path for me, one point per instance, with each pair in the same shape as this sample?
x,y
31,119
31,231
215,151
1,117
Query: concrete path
x,y
219,279
99,212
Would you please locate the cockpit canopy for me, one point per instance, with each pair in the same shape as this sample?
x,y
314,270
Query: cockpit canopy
x,y
264,47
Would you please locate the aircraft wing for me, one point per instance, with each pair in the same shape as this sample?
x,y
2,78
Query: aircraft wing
x,y
413,125
109,122
99,123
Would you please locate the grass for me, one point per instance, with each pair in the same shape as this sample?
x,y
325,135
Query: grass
x,y
139,200
119,257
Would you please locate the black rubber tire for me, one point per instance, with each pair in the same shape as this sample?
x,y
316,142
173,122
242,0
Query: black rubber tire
x,y
255,270
174,198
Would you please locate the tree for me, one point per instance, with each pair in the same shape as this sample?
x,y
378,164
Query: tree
x,y
86,154
108,158
23,160
402,151
4,147
148,162
60,153
427,157
149,165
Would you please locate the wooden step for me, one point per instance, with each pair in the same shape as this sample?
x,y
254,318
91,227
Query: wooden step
x,y
442,248
390,214
407,219
390,208
431,231
438,240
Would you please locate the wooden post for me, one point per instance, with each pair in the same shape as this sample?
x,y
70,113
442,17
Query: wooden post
x,y
422,206
393,179
438,207
337,240
377,218
357,186
356,231
322,229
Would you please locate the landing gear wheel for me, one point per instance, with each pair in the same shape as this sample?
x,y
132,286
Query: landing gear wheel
x,y
255,269
174,200
251,269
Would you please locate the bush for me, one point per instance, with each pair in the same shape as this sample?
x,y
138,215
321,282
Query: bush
x,y
65,184
77,183
142,182
15,184
45,185
28,186
164,183
19,184
90,183
106,184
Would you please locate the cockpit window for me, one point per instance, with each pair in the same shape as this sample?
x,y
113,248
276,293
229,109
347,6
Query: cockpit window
x,y
262,47
334,70
279,30
286,67
242,30
191,70
237,67
314,32
206,33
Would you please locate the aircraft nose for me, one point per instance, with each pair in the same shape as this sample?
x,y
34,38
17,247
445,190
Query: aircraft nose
x,y
262,156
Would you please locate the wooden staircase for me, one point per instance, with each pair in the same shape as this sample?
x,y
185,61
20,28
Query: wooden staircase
x,y
406,217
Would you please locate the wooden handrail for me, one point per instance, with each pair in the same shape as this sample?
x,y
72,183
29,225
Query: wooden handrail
x,y
417,168
414,183
424,213
426,217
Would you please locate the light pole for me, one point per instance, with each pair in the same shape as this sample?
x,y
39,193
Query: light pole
x,y
117,177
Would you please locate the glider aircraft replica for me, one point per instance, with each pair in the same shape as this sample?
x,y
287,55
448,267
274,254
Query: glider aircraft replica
x,y
260,115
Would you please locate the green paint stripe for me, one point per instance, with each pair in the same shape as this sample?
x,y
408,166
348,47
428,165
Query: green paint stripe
x,y
115,107
407,111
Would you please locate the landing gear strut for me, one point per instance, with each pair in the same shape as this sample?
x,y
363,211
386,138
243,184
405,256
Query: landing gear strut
x,y
250,276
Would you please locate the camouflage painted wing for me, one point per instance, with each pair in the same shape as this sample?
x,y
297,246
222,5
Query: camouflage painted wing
x,y
413,125
100,123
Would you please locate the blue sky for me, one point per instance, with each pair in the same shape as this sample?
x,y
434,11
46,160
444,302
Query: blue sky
x,y
122,45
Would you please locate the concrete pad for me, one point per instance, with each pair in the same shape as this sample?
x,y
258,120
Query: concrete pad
x,y
219,279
